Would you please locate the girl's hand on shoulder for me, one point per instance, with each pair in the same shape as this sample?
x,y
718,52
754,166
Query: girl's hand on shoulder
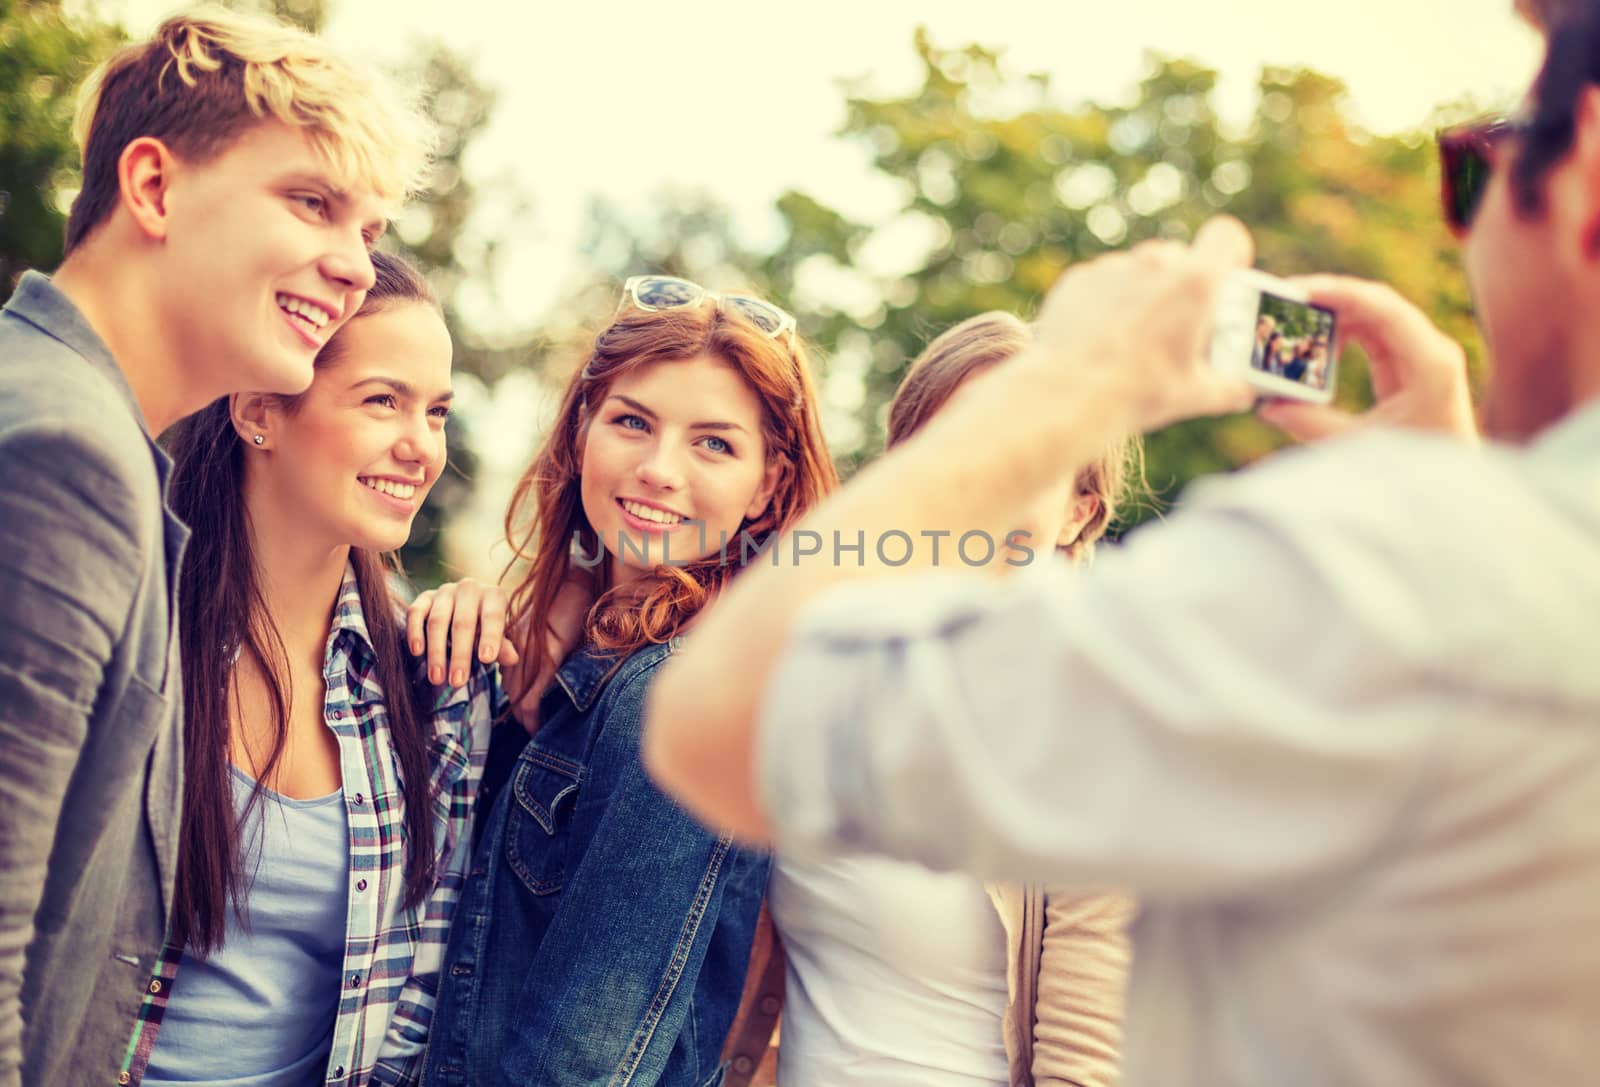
x,y
448,622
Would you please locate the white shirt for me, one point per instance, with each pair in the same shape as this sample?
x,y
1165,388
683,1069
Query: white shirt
x,y
895,975
1337,724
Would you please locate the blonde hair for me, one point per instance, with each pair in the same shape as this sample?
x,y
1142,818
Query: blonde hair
x,y
973,346
206,76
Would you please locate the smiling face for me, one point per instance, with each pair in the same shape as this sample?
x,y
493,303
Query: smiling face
x,y
264,258
674,442
353,459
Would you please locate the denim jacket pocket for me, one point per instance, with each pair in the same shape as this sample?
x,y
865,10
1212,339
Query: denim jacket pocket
x,y
544,794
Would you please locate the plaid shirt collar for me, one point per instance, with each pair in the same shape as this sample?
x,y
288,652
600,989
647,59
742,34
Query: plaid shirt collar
x,y
392,955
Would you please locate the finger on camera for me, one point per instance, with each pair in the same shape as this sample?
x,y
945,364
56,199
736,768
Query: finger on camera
x,y
1224,241
1373,314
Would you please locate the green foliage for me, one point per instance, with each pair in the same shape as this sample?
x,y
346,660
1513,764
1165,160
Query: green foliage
x,y
43,56
1008,187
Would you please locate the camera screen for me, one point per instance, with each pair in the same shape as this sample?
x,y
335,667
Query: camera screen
x,y
1293,340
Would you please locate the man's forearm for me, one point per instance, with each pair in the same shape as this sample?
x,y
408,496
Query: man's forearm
x,y
977,466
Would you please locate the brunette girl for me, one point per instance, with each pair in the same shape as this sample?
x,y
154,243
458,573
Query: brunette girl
x,y
324,790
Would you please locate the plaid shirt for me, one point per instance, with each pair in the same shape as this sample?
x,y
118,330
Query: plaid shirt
x,y
392,955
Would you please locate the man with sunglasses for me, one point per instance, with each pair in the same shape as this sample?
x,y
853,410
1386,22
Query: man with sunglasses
x,y
1373,862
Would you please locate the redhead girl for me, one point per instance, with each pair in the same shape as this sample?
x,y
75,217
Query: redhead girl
x,y
324,791
603,934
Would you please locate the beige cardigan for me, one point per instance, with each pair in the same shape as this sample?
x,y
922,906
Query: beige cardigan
x,y
1067,973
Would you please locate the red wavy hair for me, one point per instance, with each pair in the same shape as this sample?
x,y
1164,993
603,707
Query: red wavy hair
x,y
546,518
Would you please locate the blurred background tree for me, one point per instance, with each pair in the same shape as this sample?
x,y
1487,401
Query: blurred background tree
x,y
43,57
1005,188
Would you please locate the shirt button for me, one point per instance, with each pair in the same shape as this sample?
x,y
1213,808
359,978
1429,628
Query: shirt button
x,y
360,799
124,1078
155,985
361,885
338,714
339,1071
355,980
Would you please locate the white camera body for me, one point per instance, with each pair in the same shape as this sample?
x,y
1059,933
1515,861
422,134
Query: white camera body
x,y
1267,331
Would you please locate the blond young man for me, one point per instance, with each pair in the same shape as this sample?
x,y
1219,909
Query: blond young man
x,y
236,173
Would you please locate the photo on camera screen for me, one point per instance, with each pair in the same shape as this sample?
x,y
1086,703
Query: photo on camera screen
x,y
1293,340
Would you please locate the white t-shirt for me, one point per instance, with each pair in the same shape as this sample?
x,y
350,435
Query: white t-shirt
x,y
896,976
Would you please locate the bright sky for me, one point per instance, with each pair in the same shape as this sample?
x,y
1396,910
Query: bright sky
x,y
625,98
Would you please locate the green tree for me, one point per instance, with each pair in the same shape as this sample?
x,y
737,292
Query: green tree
x,y
1004,187
44,55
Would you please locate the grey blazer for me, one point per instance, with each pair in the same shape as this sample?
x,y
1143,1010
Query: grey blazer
x,y
91,748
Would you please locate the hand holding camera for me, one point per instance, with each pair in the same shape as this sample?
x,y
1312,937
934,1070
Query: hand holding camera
x,y
1419,375
1139,322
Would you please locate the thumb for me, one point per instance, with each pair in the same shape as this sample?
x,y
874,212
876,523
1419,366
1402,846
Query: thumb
x,y
1224,240
1307,422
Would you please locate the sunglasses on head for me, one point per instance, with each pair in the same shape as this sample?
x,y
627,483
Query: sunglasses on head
x,y
653,293
1467,155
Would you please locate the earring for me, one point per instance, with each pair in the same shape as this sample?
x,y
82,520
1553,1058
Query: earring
x,y
260,439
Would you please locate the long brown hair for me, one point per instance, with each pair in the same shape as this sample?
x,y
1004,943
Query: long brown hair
x,y
546,519
970,348
222,614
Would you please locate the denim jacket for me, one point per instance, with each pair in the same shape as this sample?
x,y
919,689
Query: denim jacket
x,y
603,935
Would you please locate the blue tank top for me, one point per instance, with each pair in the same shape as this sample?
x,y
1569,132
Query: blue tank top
x,y
260,1011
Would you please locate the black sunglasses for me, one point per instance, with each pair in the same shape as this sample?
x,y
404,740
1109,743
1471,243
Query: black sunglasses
x,y
1467,156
